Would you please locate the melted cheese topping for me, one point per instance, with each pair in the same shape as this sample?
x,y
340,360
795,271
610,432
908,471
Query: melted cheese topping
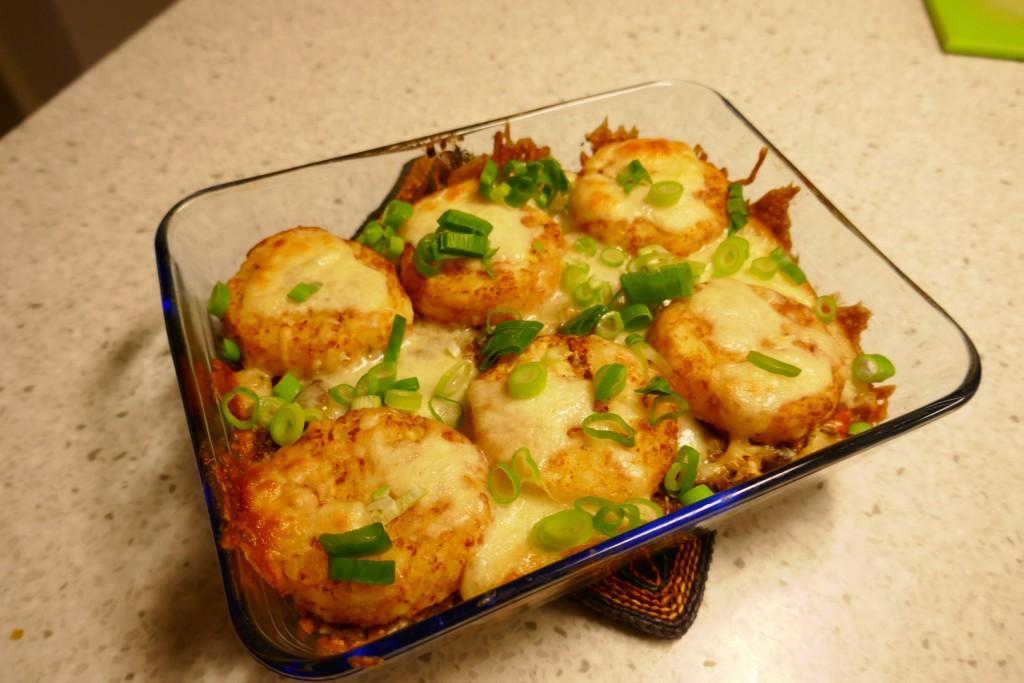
x,y
347,283
741,321
510,237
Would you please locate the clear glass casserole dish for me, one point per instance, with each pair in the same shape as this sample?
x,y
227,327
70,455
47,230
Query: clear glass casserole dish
x,y
205,236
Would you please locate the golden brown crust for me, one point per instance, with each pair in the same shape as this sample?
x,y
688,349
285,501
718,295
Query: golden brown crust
x,y
772,210
604,135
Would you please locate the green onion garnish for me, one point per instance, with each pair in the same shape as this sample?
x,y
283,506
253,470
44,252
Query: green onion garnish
x,y
220,297
697,493
613,256
395,339
487,177
229,350
313,415
825,308
288,387
377,572
589,505
377,379
584,323
402,399
266,409
657,385
368,401
647,355
287,424
510,337
649,259
730,256
668,282
527,380
633,175
395,213
526,468
372,234
562,530
609,381
664,193
773,365
454,380
636,317
858,428
462,222
380,492
502,312
608,519
447,411
394,248
585,294
371,539
225,407
655,509
788,266
574,275
342,394
462,244
683,472
736,208
503,484
407,384
423,257
763,268
655,416
618,430
586,246
873,367
304,290
609,326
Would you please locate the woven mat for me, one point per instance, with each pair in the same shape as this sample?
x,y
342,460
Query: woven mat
x,y
658,595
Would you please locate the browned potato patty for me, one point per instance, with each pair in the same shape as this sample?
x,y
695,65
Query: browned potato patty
x,y
348,316
526,266
706,339
323,483
600,206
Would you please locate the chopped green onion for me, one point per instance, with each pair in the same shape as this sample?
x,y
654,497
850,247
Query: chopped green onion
x,y
609,326
377,379
574,275
527,380
395,339
788,266
584,323
288,387
613,256
858,428
508,313
266,409
487,177
873,367
636,317
589,505
447,411
460,221
380,492
368,401
503,484
220,297
454,380
633,175
696,494
586,246
526,468
736,208
423,257
681,408
585,294
773,365
229,350
664,193
647,355
671,481
618,429
604,292
729,256
407,384
562,530
649,259
683,472
608,519
304,290
668,282
376,572
225,407
371,539
401,399
609,381
649,504
697,268
313,415
373,233
395,213
394,247
287,424
462,244
763,268
510,337
657,385
825,308
342,394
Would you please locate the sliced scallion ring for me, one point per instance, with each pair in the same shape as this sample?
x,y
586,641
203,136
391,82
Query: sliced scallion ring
x,y
527,380
610,325
225,407
342,394
873,367
220,297
613,256
612,427
585,293
401,399
526,468
636,317
788,266
696,494
586,246
609,519
499,314
763,268
664,193
454,380
689,458
729,256
773,365
367,401
376,572
371,539
287,424
574,275
825,308
562,530
288,387
589,505
858,428
642,503
229,350
447,411
609,381
503,484
656,415
266,408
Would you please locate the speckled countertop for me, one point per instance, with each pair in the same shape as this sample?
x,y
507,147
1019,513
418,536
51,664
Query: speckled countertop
x,y
907,564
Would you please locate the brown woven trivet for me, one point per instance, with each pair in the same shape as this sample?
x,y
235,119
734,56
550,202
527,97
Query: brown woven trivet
x,y
660,594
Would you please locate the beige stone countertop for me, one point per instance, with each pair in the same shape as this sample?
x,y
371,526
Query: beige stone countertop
x,y
905,565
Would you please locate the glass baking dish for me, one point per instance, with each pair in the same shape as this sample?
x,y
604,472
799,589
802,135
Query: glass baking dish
x,y
205,236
